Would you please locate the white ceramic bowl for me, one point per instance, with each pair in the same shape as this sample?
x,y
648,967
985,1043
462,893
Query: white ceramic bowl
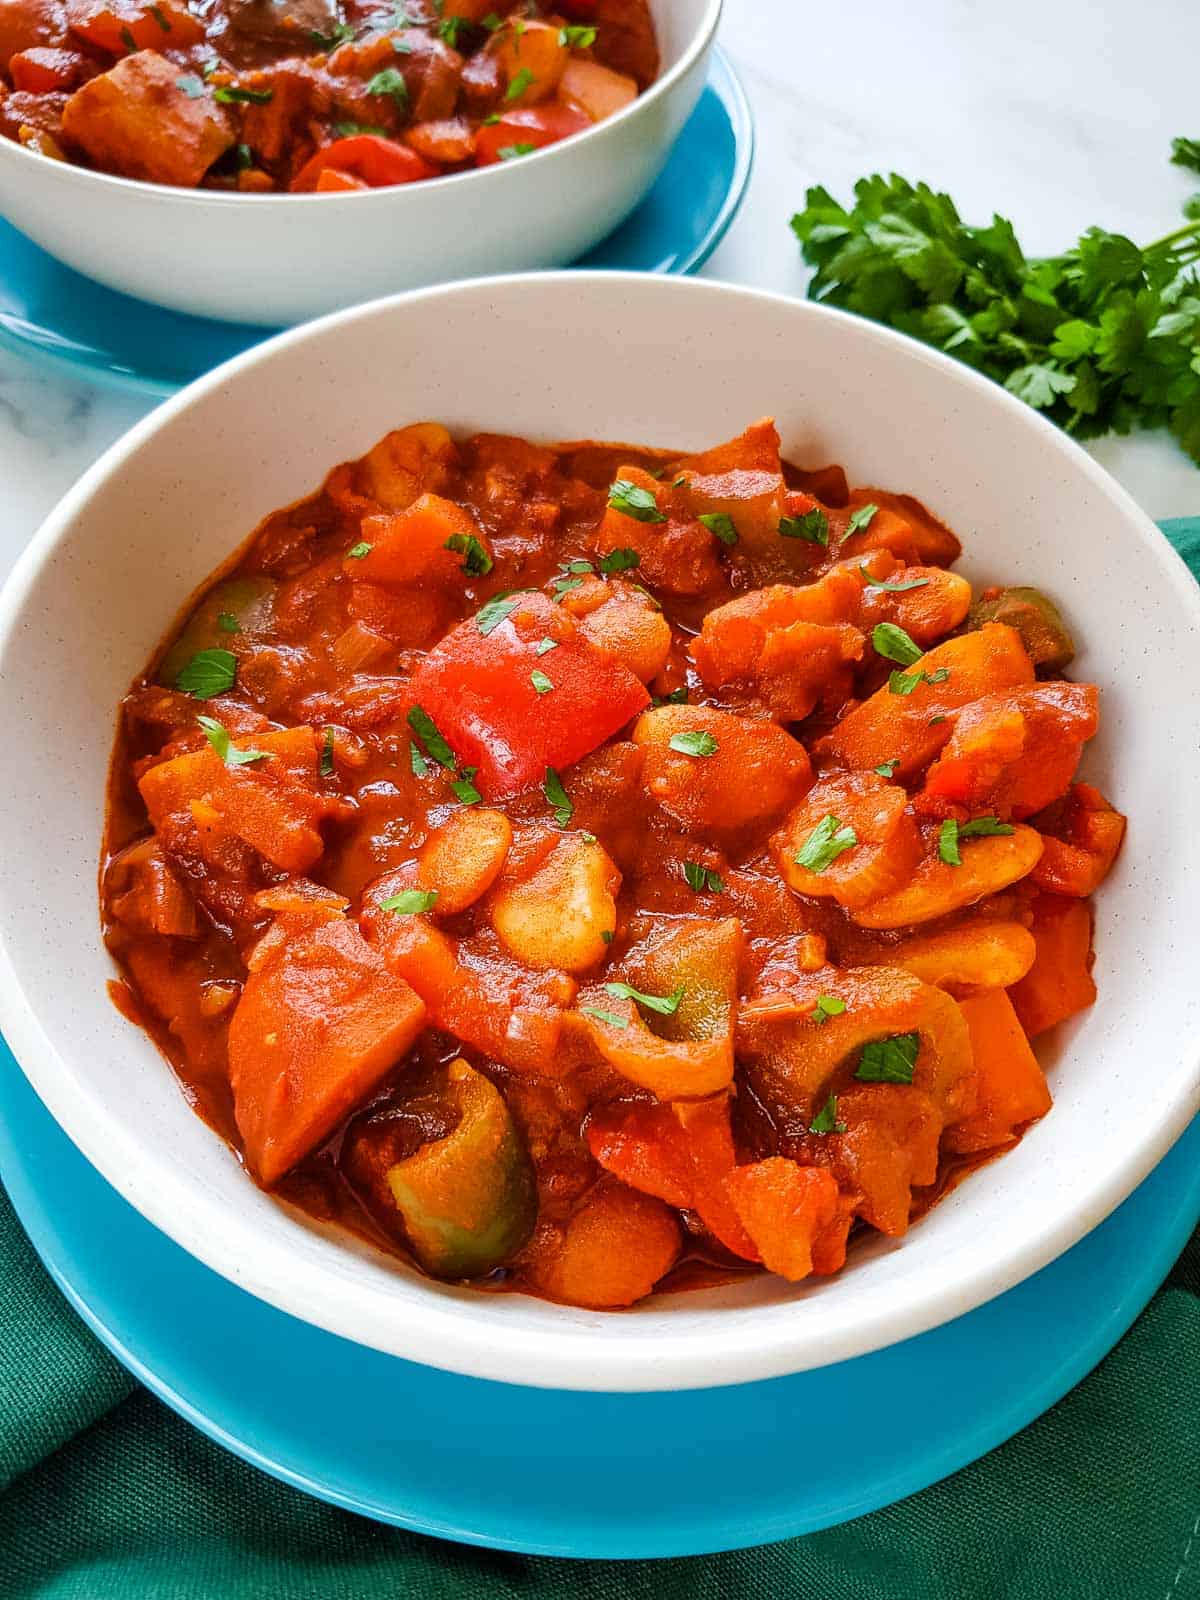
x,y
279,259
682,364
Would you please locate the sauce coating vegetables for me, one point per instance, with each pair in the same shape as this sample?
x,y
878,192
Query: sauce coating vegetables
x,y
589,870
319,96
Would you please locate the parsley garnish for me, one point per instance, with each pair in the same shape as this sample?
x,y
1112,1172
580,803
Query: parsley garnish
x,y
218,736
159,16
489,617
351,130
514,152
519,84
410,902
951,831
620,560
827,1005
426,729
390,82
325,766
464,788
191,85
208,673
577,38
677,697
340,33
491,22
232,94
557,797
244,155
1102,336
826,1120
701,878
720,525
476,563
889,1060
665,1005
228,623
540,681
861,519
450,28
128,40
544,646
693,743
631,500
416,760
812,526
906,682
885,769
895,644
825,844
1186,153
607,935
613,1020
357,551
891,588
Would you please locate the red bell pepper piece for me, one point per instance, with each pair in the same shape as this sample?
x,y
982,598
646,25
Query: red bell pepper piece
x,y
378,162
480,690
537,126
41,70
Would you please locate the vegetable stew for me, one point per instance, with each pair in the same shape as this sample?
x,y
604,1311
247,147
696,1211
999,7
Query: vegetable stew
x,y
589,869
320,95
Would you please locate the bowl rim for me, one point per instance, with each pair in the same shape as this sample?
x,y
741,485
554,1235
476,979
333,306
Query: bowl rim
x,y
69,172
749,1345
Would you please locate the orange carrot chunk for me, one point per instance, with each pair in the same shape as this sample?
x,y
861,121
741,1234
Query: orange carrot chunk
x,y
1011,1085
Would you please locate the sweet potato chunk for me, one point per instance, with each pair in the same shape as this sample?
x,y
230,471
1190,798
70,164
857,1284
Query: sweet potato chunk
x,y
909,729
743,771
432,540
784,1208
318,1025
1011,1085
742,480
1060,981
136,121
611,1252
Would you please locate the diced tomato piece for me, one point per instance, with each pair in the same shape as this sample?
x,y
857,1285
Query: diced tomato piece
x,y
331,181
123,29
319,1023
534,125
40,71
785,1208
479,691
377,162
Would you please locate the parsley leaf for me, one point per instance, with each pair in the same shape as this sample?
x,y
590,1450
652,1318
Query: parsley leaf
x,y
410,902
425,728
416,760
720,525
476,561
218,736
191,85
228,623
886,769
665,1005
325,766
357,551
812,526
544,646
489,617
693,743
827,1005
232,94
1186,153
826,1120
208,673
951,831
895,644
701,878
861,519
611,1017
904,682
948,843
514,152
887,586
620,560
340,33
540,681
889,1060
520,82
464,789
390,82
631,500
557,797
572,38
677,697
825,844
981,827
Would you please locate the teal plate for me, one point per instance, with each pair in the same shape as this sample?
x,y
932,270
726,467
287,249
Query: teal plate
x,y
551,1472
48,311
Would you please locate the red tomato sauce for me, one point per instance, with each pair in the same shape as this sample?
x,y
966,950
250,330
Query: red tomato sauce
x,y
321,95
586,869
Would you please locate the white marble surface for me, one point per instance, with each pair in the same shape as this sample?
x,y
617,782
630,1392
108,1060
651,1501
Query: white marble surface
x,y
1059,113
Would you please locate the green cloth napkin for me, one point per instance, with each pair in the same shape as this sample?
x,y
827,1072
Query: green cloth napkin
x,y
106,1495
